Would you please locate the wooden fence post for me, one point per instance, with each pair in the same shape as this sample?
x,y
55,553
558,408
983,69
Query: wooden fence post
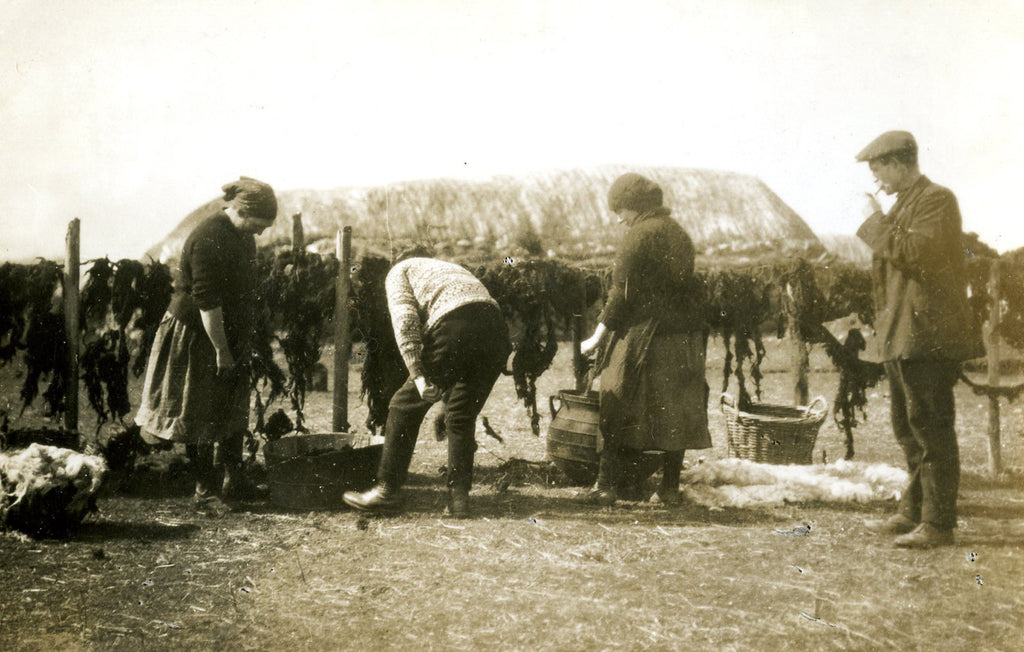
x,y
801,390
342,338
298,236
71,276
579,366
579,329
995,460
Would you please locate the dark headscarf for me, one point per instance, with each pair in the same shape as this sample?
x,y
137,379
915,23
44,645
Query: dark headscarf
x,y
254,198
635,192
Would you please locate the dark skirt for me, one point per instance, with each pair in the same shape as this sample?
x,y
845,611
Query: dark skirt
x,y
655,396
183,400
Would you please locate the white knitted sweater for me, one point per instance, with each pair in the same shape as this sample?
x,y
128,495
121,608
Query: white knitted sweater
x,y
420,292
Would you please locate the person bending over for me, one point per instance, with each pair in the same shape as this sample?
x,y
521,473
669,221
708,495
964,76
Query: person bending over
x,y
455,343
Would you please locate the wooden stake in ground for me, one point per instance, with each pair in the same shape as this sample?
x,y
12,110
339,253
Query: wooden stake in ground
x,y
579,365
995,460
71,276
298,236
342,339
579,328
801,390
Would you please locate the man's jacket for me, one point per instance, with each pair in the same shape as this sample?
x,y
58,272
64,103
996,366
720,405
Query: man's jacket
x,y
920,283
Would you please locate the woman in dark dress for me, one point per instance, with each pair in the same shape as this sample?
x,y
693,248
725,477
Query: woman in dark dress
x,y
653,392
196,389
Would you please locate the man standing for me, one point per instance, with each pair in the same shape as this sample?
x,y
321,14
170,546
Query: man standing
x,y
924,332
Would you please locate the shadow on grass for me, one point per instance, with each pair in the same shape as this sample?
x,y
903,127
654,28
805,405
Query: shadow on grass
x,y
1011,479
425,496
994,541
992,511
165,474
542,495
429,499
625,513
153,487
871,508
100,531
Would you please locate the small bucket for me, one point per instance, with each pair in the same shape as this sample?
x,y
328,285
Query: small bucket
x,y
313,471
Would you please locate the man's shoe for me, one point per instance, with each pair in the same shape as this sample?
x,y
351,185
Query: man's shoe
x,y
458,503
926,535
895,524
599,497
380,499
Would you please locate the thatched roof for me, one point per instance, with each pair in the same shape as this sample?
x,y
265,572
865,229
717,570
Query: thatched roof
x,y
847,247
720,211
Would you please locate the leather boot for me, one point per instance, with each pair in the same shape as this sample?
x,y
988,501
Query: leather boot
x,y
458,503
200,461
668,490
236,485
604,493
925,535
381,499
895,524
631,483
205,500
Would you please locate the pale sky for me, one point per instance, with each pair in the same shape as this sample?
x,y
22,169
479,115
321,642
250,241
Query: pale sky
x,y
128,113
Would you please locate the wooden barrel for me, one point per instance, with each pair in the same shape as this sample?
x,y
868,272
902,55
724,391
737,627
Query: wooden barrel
x,y
572,443
572,435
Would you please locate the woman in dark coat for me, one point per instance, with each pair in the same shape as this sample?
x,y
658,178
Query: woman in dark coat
x,y
653,388
196,390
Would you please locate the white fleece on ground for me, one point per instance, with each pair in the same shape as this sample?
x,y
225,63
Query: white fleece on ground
x,y
740,483
40,469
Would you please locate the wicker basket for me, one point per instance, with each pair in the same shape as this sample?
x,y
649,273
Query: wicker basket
x,y
774,434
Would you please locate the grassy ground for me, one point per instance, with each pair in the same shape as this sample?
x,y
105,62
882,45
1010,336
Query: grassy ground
x,y
532,570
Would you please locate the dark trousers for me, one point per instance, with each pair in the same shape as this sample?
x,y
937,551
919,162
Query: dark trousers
x,y
923,419
463,355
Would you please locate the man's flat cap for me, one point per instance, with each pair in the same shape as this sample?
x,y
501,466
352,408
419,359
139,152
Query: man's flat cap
x,y
887,143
